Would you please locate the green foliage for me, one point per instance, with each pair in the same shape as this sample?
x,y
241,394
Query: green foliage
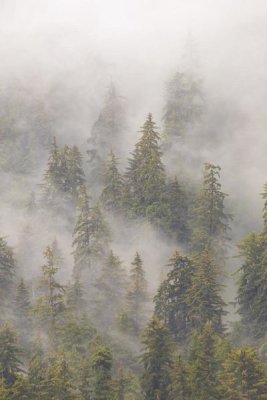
x,y
112,195
204,366
7,270
145,177
171,300
179,387
210,222
157,361
91,234
244,377
204,296
10,353
102,377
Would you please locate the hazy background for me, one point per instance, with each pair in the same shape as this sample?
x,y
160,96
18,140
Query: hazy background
x,y
65,53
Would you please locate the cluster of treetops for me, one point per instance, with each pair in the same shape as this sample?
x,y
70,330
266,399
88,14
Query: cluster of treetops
x,y
100,337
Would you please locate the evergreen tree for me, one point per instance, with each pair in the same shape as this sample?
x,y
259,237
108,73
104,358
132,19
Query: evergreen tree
x,y
75,297
137,296
171,301
179,387
51,303
111,286
7,271
145,177
210,224
37,373
10,353
204,366
102,377
106,134
157,361
91,234
112,194
244,377
203,297
184,106
22,302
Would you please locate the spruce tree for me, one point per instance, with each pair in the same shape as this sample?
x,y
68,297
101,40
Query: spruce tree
x,y
112,194
210,223
137,296
90,234
145,177
157,361
244,376
204,365
171,301
10,355
203,297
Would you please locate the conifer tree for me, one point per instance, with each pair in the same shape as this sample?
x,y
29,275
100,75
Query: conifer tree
x,y
75,297
4,390
106,134
10,353
7,270
203,297
157,361
179,387
204,365
111,286
22,301
243,376
37,373
171,301
102,374
184,106
91,234
137,296
145,177
51,302
210,224
112,194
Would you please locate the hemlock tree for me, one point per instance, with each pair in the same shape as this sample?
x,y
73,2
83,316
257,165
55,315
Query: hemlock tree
x,y
137,296
112,194
204,365
204,295
210,223
157,361
10,353
171,301
145,177
91,235
244,376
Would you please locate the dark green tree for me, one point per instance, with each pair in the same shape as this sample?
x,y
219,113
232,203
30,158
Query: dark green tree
x,y
7,271
137,297
210,221
179,387
102,374
145,177
112,195
10,355
157,361
204,295
91,235
171,301
204,365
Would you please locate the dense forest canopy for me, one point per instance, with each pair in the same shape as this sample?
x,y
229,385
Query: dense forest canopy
x,y
133,226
